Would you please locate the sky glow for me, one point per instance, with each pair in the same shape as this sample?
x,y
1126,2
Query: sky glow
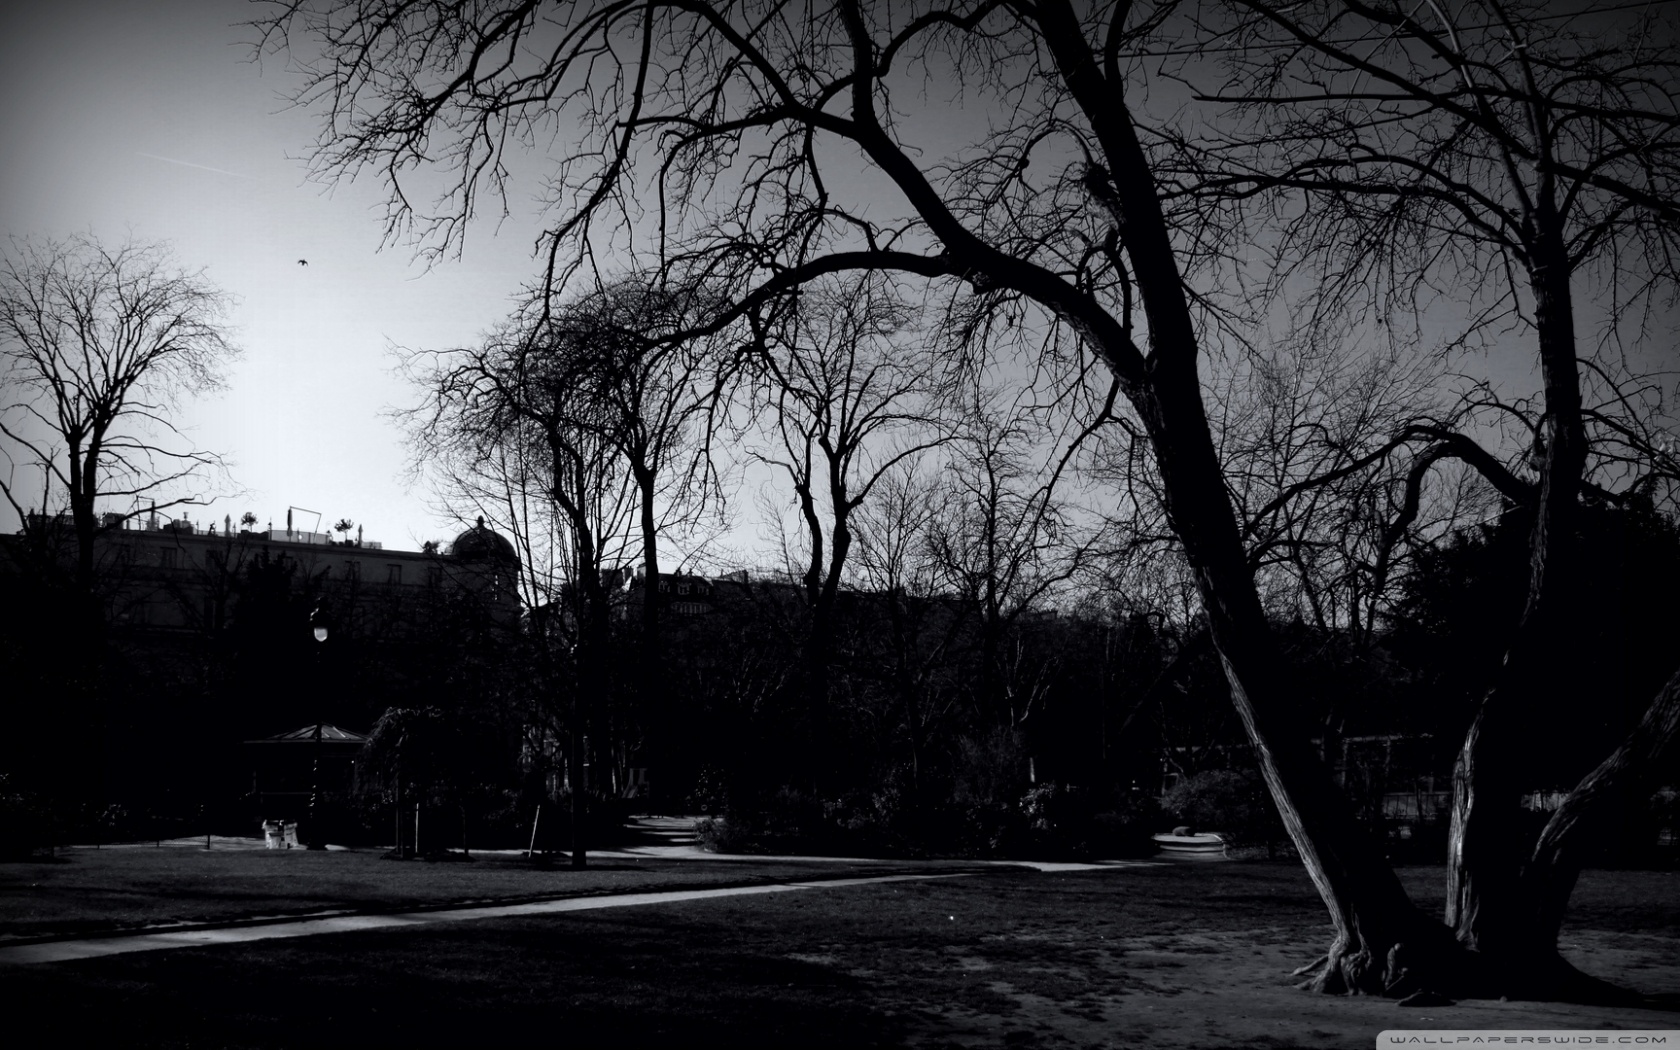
x,y
153,120
150,118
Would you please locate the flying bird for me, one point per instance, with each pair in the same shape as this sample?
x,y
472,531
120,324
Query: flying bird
x,y
303,262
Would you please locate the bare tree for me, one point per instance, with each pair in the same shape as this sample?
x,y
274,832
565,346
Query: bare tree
x,y
1333,474
724,119
897,562
515,408
1011,538
1080,239
650,399
98,347
1492,157
847,397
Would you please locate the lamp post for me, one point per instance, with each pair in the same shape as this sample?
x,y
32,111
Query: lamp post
x,y
316,841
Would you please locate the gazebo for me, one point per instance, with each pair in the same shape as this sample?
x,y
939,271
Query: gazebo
x,y
284,768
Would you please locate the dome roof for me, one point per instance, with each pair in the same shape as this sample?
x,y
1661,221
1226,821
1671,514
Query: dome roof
x,y
480,544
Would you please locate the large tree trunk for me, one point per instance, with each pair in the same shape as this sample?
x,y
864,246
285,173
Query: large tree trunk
x,y
590,615
591,662
994,693
1579,826
1381,942
654,703
822,596
1488,904
84,491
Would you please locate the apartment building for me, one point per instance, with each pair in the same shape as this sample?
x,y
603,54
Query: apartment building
x,y
160,575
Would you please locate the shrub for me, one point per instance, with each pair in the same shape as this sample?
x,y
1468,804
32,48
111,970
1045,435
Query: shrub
x,y
1124,824
982,829
1068,821
990,769
25,821
1058,820
1232,802
711,792
722,835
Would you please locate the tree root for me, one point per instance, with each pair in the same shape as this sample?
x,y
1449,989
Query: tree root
x,y
1435,970
1312,967
1344,970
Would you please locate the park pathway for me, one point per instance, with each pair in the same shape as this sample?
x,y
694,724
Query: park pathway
x,y
199,936
670,838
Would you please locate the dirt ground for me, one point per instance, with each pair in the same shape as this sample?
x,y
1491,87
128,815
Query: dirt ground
x,y
1231,989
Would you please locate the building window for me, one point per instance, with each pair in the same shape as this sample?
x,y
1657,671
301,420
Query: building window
x,y
682,588
434,576
350,569
171,558
393,574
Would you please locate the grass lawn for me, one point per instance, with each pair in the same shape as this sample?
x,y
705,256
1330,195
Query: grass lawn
x,y
88,891
1183,955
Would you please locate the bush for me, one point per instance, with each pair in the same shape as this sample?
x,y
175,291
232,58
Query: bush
x,y
25,822
990,769
711,792
1058,820
721,835
1048,820
785,820
990,829
1232,802
1068,821
1123,827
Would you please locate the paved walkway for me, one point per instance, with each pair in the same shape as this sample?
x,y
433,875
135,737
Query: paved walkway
x,y
206,935
669,838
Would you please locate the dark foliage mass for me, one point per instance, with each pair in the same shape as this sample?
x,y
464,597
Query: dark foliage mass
x,y
1131,732
1631,558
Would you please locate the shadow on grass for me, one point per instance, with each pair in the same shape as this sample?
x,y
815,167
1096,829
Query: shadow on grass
x,y
113,891
612,984
1002,958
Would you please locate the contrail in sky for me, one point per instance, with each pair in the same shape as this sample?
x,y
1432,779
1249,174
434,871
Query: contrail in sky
x,y
189,164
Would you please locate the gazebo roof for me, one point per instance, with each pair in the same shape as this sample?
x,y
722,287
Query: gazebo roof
x,y
330,734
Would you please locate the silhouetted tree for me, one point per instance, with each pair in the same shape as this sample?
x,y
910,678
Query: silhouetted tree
x,y
1488,156
98,346
725,117
846,396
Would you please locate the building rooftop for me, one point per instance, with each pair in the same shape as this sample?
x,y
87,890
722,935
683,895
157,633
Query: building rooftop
x,y
479,543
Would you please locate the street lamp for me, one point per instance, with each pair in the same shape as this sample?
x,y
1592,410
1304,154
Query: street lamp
x,y
316,841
